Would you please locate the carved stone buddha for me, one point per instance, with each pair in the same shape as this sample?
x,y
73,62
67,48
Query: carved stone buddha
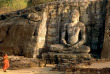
x,y
73,37
70,36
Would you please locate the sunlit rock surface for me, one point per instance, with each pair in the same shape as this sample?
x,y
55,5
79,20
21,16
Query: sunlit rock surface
x,y
21,34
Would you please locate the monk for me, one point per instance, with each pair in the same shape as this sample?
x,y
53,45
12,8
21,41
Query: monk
x,y
6,62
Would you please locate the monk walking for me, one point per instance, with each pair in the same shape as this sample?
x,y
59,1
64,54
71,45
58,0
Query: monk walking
x,y
6,62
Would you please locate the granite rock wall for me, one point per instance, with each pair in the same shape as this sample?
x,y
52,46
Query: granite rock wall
x,y
20,35
106,49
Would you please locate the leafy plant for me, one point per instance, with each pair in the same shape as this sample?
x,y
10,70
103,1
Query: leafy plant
x,y
18,4
13,4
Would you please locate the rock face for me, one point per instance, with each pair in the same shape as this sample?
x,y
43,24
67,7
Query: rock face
x,y
21,62
70,44
27,32
20,35
106,48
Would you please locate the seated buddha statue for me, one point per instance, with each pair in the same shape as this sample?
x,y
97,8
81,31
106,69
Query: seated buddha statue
x,y
73,36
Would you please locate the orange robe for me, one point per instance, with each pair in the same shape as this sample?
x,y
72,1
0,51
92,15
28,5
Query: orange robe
x,y
6,62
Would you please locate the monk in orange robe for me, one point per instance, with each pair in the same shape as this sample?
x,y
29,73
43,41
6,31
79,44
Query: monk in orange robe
x,y
6,62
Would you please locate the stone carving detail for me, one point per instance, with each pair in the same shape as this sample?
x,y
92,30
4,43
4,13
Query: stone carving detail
x,y
70,38
24,34
106,45
29,31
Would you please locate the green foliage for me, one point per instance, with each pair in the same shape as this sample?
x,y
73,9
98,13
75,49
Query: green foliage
x,y
13,4
29,3
18,4
5,3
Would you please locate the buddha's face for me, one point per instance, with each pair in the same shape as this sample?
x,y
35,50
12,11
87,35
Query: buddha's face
x,y
75,16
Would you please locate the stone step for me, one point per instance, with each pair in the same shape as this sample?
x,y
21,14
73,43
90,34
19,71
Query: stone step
x,y
53,55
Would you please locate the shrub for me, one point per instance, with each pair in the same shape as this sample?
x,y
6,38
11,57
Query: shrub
x,y
5,3
18,4
13,5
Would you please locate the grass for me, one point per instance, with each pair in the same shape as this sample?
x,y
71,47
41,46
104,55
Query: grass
x,y
18,4
13,5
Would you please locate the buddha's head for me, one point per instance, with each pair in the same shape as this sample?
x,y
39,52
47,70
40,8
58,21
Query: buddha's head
x,y
75,15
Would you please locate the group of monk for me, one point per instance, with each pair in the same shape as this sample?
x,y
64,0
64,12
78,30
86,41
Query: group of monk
x,y
5,61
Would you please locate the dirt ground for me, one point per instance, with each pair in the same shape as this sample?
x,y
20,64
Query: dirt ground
x,y
23,65
99,65
46,70
34,70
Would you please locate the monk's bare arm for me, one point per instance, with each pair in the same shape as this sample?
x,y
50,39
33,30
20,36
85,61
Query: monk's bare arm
x,y
83,36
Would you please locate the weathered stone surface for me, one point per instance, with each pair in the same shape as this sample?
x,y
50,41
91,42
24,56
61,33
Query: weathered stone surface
x,y
70,42
106,45
20,62
23,35
57,47
66,56
63,49
41,35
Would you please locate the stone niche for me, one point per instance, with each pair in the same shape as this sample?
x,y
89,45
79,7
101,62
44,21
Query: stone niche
x,y
30,31
106,49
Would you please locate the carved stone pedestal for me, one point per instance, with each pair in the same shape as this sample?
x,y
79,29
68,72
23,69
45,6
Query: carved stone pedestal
x,y
68,56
